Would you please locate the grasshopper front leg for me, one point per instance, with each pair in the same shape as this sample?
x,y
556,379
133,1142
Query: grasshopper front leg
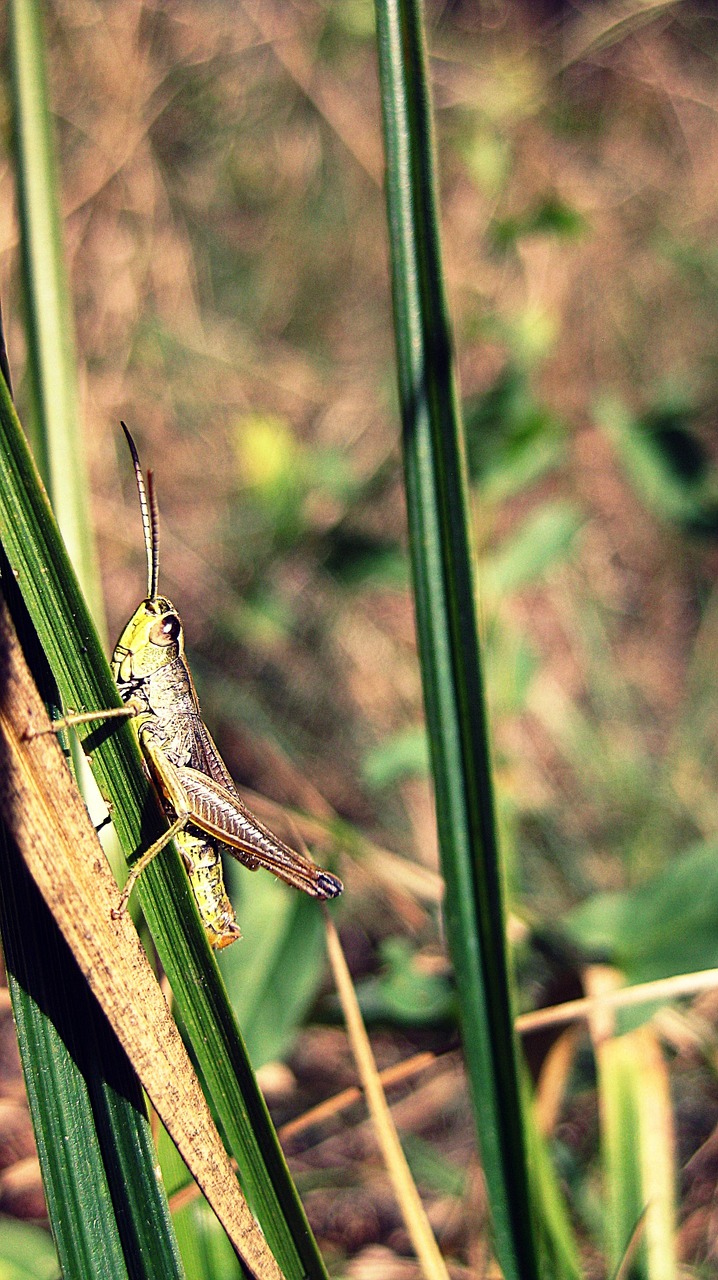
x,y
75,718
131,710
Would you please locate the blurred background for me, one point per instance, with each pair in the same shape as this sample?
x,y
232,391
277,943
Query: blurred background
x,y
225,233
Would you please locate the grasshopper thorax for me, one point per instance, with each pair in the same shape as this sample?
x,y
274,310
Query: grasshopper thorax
x,y
152,639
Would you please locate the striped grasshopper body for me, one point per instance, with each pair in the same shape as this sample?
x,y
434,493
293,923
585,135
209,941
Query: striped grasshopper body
x,y
204,809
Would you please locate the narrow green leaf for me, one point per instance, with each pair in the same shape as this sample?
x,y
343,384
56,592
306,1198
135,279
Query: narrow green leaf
x,y
114,1124
194,1219
92,1127
81,1210
402,755
620,1086
94,1140
545,538
51,345
450,656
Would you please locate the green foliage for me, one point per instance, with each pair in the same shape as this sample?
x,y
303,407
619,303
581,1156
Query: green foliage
x,y
666,460
545,539
26,1252
403,755
552,215
59,616
446,622
668,925
432,1170
241,314
273,973
511,438
358,560
406,992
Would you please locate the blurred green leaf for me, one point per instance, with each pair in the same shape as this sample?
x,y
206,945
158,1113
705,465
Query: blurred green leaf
x,y
213,1257
205,1250
288,489
512,665
432,1170
558,1241
487,154
26,1252
620,1086
273,972
511,439
667,926
354,18
404,754
552,215
358,560
330,472
665,460
405,993
262,619
48,307
271,472
637,1155
544,539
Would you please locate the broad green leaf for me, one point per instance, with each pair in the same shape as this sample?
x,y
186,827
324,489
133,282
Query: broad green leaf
x,y
273,972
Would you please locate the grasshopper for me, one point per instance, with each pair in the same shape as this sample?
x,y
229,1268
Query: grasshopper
x,y
205,812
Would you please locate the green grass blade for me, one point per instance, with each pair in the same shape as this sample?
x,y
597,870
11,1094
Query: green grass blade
x,y
107,1218
51,347
115,1127
83,1218
448,641
59,614
123,1141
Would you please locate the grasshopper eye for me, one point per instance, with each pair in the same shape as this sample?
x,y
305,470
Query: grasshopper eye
x,y
167,630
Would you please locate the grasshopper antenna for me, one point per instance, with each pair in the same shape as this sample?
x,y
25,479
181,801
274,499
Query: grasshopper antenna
x,y
153,572
150,518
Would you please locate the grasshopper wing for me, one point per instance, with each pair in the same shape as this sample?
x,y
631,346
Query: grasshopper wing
x,y
206,757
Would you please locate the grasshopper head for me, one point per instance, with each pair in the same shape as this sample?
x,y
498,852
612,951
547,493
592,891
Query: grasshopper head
x,y
152,638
